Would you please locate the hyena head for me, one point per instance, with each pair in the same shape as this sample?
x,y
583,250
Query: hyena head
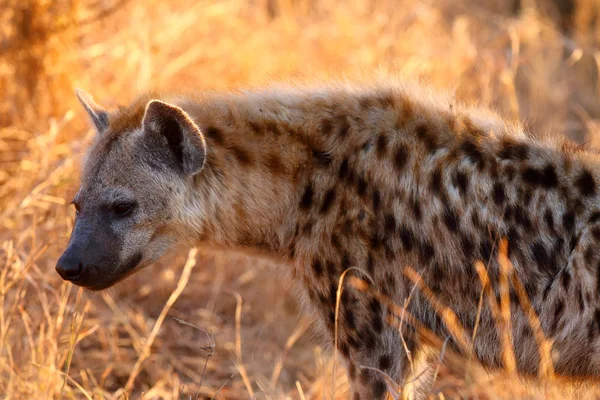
x,y
135,181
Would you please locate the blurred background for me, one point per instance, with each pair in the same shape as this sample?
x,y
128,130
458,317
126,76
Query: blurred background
x,y
234,331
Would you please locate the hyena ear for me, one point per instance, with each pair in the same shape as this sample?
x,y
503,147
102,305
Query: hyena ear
x,y
97,113
166,125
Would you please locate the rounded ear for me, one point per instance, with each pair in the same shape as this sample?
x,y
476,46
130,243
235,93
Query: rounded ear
x,y
169,127
98,114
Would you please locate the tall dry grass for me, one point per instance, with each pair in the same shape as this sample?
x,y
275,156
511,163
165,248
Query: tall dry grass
x,y
227,328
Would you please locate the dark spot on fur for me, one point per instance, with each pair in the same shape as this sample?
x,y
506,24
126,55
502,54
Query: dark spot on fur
x,y
520,216
375,306
333,293
346,263
317,267
558,312
347,227
375,241
354,341
377,323
498,194
369,338
416,209
546,178
549,218
510,173
385,362
407,238
335,241
274,164
349,320
426,252
328,200
351,371
366,101
437,275
381,145
513,236
256,128
486,248
241,155
376,200
386,100
331,316
565,279
326,126
541,256
351,177
472,151
569,221
343,171
342,121
428,138
379,388
595,217
367,146
307,197
215,134
331,270
322,158
586,184
436,181
370,264
467,245
451,220
390,223
361,186
513,151
272,127
460,181
361,215
400,158
308,227
345,350
546,291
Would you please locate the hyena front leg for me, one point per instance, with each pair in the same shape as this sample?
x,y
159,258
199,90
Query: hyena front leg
x,y
383,360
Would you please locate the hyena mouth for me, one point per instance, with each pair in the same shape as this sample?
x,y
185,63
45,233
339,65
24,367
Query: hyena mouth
x,y
120,274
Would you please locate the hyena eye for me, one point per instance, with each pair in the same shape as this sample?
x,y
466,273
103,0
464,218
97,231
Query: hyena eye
x,y
123,209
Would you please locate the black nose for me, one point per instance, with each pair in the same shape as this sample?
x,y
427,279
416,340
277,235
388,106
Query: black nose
x,y
69,268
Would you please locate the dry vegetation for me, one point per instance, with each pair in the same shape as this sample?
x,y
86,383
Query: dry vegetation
x,y
233,330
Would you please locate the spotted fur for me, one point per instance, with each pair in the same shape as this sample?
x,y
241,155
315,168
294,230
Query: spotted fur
x,y
378,178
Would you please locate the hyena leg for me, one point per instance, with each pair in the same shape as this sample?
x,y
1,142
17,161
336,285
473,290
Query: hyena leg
x,y
383,361
395,368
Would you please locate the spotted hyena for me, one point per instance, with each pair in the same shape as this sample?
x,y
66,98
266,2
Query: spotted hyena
x,y
369,180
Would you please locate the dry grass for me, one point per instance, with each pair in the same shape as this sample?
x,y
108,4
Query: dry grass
x,y
232,331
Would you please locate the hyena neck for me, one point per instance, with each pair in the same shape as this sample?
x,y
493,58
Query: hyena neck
x,y
243,197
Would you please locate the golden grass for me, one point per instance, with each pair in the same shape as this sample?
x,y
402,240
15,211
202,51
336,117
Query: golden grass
x,y
232,331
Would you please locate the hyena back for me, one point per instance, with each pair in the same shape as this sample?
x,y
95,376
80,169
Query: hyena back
x,y
368,180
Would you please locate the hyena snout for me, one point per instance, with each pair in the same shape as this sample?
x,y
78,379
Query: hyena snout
x,y
92,258
82,266
70,267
